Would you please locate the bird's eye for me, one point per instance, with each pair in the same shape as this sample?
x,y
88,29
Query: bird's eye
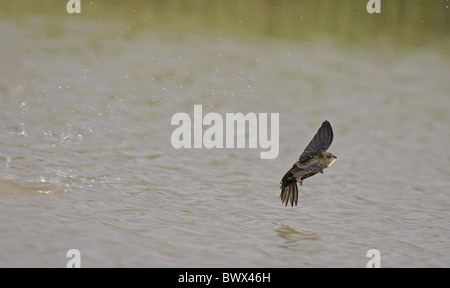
x,y
328,156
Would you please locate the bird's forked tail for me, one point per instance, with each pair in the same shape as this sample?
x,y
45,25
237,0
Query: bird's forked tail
x,y
289,192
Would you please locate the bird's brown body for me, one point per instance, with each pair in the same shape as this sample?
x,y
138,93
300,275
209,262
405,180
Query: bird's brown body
x,y
313,160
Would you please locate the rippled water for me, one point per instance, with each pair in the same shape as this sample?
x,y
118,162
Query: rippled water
x,y
87,163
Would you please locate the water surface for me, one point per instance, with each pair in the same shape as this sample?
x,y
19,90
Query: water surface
x,y
87,163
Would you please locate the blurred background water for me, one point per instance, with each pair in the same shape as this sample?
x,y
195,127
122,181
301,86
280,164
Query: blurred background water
x,y
87,163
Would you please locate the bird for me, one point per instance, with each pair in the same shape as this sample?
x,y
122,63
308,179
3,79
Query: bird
x,y
314,159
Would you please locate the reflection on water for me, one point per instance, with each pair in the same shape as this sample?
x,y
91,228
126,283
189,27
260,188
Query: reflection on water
x,y
292,236
11,187
86,104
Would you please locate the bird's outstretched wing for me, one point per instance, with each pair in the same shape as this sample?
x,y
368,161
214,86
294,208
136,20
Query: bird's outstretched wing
x,y
320,142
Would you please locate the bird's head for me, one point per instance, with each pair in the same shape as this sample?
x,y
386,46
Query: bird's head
x,y
327,159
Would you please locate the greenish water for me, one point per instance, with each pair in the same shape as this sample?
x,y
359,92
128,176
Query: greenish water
x,y
87,161
409,23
